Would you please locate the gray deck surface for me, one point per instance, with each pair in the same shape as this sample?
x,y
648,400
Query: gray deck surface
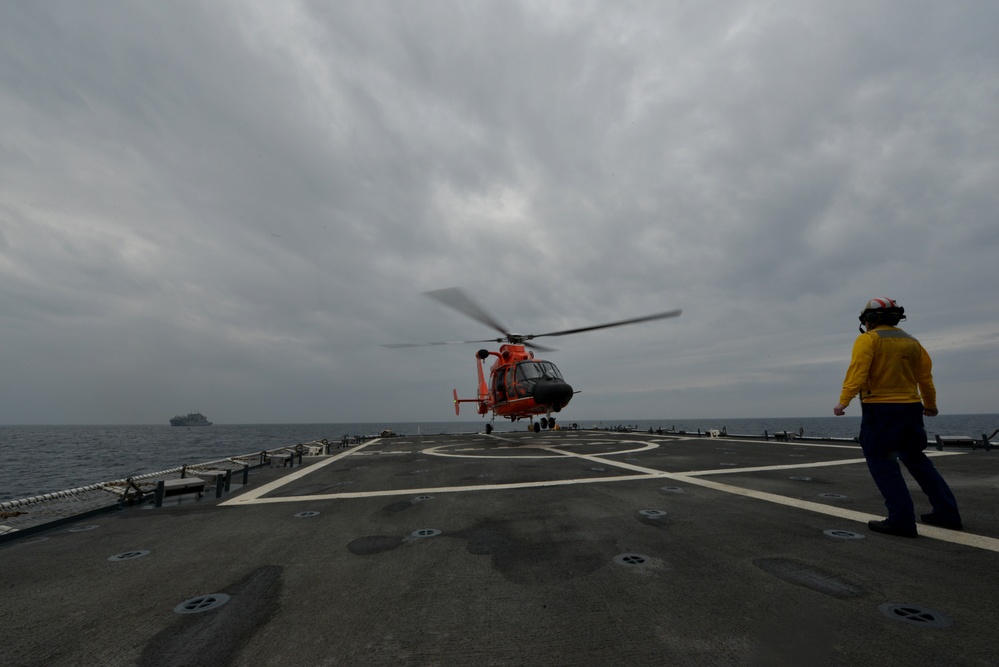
x,y
558,548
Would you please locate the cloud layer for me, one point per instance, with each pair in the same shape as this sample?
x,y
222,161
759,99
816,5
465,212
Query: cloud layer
x,y
229,207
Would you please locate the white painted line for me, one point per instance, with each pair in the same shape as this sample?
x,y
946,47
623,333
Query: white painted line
x,y
854,447
250,496
953,536
789,466
694,478
434,451
793,443
795,466
593,458
642,446
445,489
493,436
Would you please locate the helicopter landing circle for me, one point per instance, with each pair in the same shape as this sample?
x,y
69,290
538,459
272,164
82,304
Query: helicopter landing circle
x,y
535,450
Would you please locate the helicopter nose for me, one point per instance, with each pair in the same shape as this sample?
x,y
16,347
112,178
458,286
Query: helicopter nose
x,y
554,393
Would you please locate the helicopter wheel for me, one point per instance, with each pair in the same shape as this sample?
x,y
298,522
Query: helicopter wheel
x,y
489,429
551,423
536,428
544,422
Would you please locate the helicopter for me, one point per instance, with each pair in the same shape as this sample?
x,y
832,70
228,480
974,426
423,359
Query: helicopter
x,y
520,385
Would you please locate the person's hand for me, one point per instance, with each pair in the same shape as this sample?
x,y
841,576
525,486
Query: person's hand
x,y
839,410
930,413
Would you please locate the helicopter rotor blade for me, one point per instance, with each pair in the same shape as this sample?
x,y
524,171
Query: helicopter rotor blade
x,y
636,320
533,346
455,298
443,342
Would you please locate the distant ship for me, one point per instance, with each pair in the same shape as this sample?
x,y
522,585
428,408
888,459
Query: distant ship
x,y
193,419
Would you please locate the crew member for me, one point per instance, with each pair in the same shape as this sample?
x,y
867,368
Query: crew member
x,y
893,374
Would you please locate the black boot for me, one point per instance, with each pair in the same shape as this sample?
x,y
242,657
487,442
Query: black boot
x,y
892,528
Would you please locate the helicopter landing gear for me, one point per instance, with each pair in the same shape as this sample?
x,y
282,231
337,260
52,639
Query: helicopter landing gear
x,y
546,423
489,429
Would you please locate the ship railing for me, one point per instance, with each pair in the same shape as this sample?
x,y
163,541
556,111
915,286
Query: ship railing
x,y
122,488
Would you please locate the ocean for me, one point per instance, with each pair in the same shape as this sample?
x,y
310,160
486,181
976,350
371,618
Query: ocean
x,y
45,459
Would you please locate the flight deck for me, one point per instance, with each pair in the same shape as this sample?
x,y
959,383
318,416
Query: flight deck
x,y
556,548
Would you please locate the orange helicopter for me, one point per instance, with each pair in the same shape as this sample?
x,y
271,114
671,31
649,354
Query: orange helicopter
x,y
520,386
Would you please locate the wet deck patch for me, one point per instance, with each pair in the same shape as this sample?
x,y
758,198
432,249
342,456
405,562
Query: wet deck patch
x,y
365,546
534,558
808,576
197,640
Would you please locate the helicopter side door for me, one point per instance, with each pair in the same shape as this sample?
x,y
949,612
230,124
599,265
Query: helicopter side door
x,y
514,389
499,386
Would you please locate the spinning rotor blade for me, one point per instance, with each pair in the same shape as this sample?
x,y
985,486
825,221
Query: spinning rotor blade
x,y
647,318
540,348
443,342
454,297
457,299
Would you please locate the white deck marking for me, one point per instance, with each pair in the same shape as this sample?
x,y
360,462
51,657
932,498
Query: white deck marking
x,y
792,466
793,443
254,494
596,458
695,478
437,451
956,537
446,489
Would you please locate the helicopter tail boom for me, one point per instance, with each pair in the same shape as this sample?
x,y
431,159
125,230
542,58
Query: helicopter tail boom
x,y
482,408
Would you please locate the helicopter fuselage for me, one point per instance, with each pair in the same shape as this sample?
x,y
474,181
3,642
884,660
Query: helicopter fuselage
x,y
519,386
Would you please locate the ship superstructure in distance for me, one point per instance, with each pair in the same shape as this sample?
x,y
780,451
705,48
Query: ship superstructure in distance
x,y
192,419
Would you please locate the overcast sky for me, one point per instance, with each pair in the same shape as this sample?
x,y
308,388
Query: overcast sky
x,y
229,207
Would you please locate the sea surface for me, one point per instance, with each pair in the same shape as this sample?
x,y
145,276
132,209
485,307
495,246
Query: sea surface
x,y
45,459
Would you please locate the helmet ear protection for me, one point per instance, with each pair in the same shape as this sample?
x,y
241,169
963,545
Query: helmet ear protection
x,y
878,308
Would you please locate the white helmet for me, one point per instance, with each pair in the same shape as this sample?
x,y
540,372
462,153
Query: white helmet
x,y
879,306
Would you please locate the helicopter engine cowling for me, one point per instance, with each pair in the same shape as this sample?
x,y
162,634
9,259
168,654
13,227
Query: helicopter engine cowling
x,y
549,391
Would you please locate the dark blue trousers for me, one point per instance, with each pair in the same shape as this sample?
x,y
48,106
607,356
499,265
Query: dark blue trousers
x,y
894,432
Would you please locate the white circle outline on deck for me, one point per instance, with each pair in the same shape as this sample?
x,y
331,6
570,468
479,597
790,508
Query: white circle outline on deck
x,y
433,451
690,477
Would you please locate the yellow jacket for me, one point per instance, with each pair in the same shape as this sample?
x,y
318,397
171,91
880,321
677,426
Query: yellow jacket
x,y
889,366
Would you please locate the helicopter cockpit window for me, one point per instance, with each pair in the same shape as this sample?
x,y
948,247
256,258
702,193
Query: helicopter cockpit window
x,y
531,370
527,371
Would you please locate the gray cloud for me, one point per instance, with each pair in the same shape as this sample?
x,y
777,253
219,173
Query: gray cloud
x,y
229,206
